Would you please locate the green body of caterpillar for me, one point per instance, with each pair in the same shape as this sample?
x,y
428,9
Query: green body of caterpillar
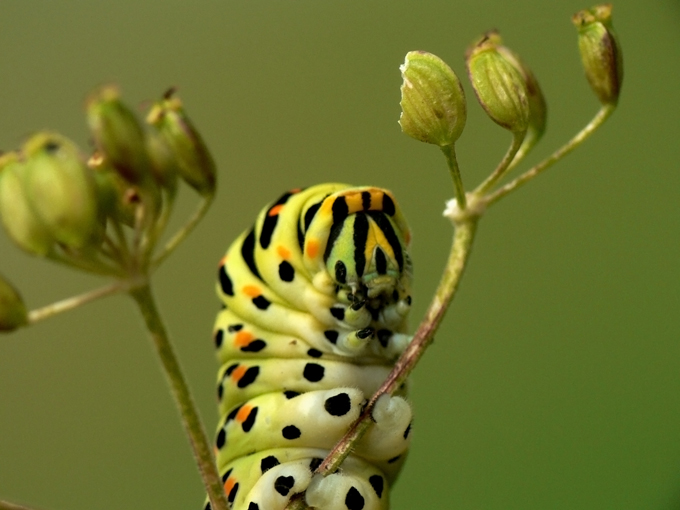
x,y
315,302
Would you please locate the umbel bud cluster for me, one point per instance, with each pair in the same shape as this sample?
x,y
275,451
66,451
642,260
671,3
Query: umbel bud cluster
x,y
433,102
103,212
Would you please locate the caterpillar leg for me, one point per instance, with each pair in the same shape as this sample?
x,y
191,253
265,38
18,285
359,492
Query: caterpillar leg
x,y
389,437
350,488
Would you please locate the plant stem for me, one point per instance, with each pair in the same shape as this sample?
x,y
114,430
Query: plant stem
x,y
73,302
185,230
198,439
601,116
450,153
460,251
458,257
503,166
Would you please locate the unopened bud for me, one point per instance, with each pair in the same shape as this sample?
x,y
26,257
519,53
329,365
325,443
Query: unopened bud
x,y
61,189
118,197
537,105
600,52
118,134
432,100
498,85
163,163
184,143
12,308
21,222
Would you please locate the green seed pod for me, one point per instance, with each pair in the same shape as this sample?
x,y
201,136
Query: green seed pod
x,y
12,308
163,163
498,85
21,222
600,52
62,190
432,100
537,105
118,134
194,161
118,197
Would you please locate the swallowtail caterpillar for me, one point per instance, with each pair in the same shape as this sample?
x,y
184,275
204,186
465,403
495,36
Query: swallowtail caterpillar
x,y
315,300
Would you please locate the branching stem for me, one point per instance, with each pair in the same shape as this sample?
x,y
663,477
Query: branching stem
x,y
601,116
185,230
198,439
74,302
504,166
458,257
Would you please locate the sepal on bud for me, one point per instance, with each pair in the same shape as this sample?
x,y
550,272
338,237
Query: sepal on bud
x,y
600,52
183,143
21,222
432,103
498,83
61,190
118,134
12,308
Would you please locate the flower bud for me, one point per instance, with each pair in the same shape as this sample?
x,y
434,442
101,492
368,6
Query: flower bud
x,y
499,85
12,308
21,222
118,197
118,134
61,190
600,52
537,104
163,164
194,162
432,100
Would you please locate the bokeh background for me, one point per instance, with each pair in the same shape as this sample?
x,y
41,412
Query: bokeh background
x,y
555,381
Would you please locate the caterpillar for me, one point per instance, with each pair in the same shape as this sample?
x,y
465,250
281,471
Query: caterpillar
x,y
315,299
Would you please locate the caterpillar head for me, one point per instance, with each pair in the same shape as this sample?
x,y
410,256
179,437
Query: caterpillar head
x,y
366,256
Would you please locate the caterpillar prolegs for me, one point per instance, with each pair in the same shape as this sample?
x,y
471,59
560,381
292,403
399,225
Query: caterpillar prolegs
x,y
315,298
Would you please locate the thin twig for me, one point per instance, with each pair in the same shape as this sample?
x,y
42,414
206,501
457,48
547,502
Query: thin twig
x,y
185,230
601,116
73,302
508,161
460,251
450,153
198,439
453,271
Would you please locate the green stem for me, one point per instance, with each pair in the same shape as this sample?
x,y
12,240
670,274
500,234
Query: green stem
x,y
601,116
504,166
185,230
73,302
450,153
453,272
198,439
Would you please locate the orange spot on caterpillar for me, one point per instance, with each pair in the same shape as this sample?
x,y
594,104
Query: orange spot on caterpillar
x,y
229,484
243,338
296,190
238,373
251,290
283,252
243,413
275,210
223,260
312,248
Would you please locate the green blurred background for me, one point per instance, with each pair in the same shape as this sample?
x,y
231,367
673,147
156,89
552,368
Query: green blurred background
x,y
555,381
